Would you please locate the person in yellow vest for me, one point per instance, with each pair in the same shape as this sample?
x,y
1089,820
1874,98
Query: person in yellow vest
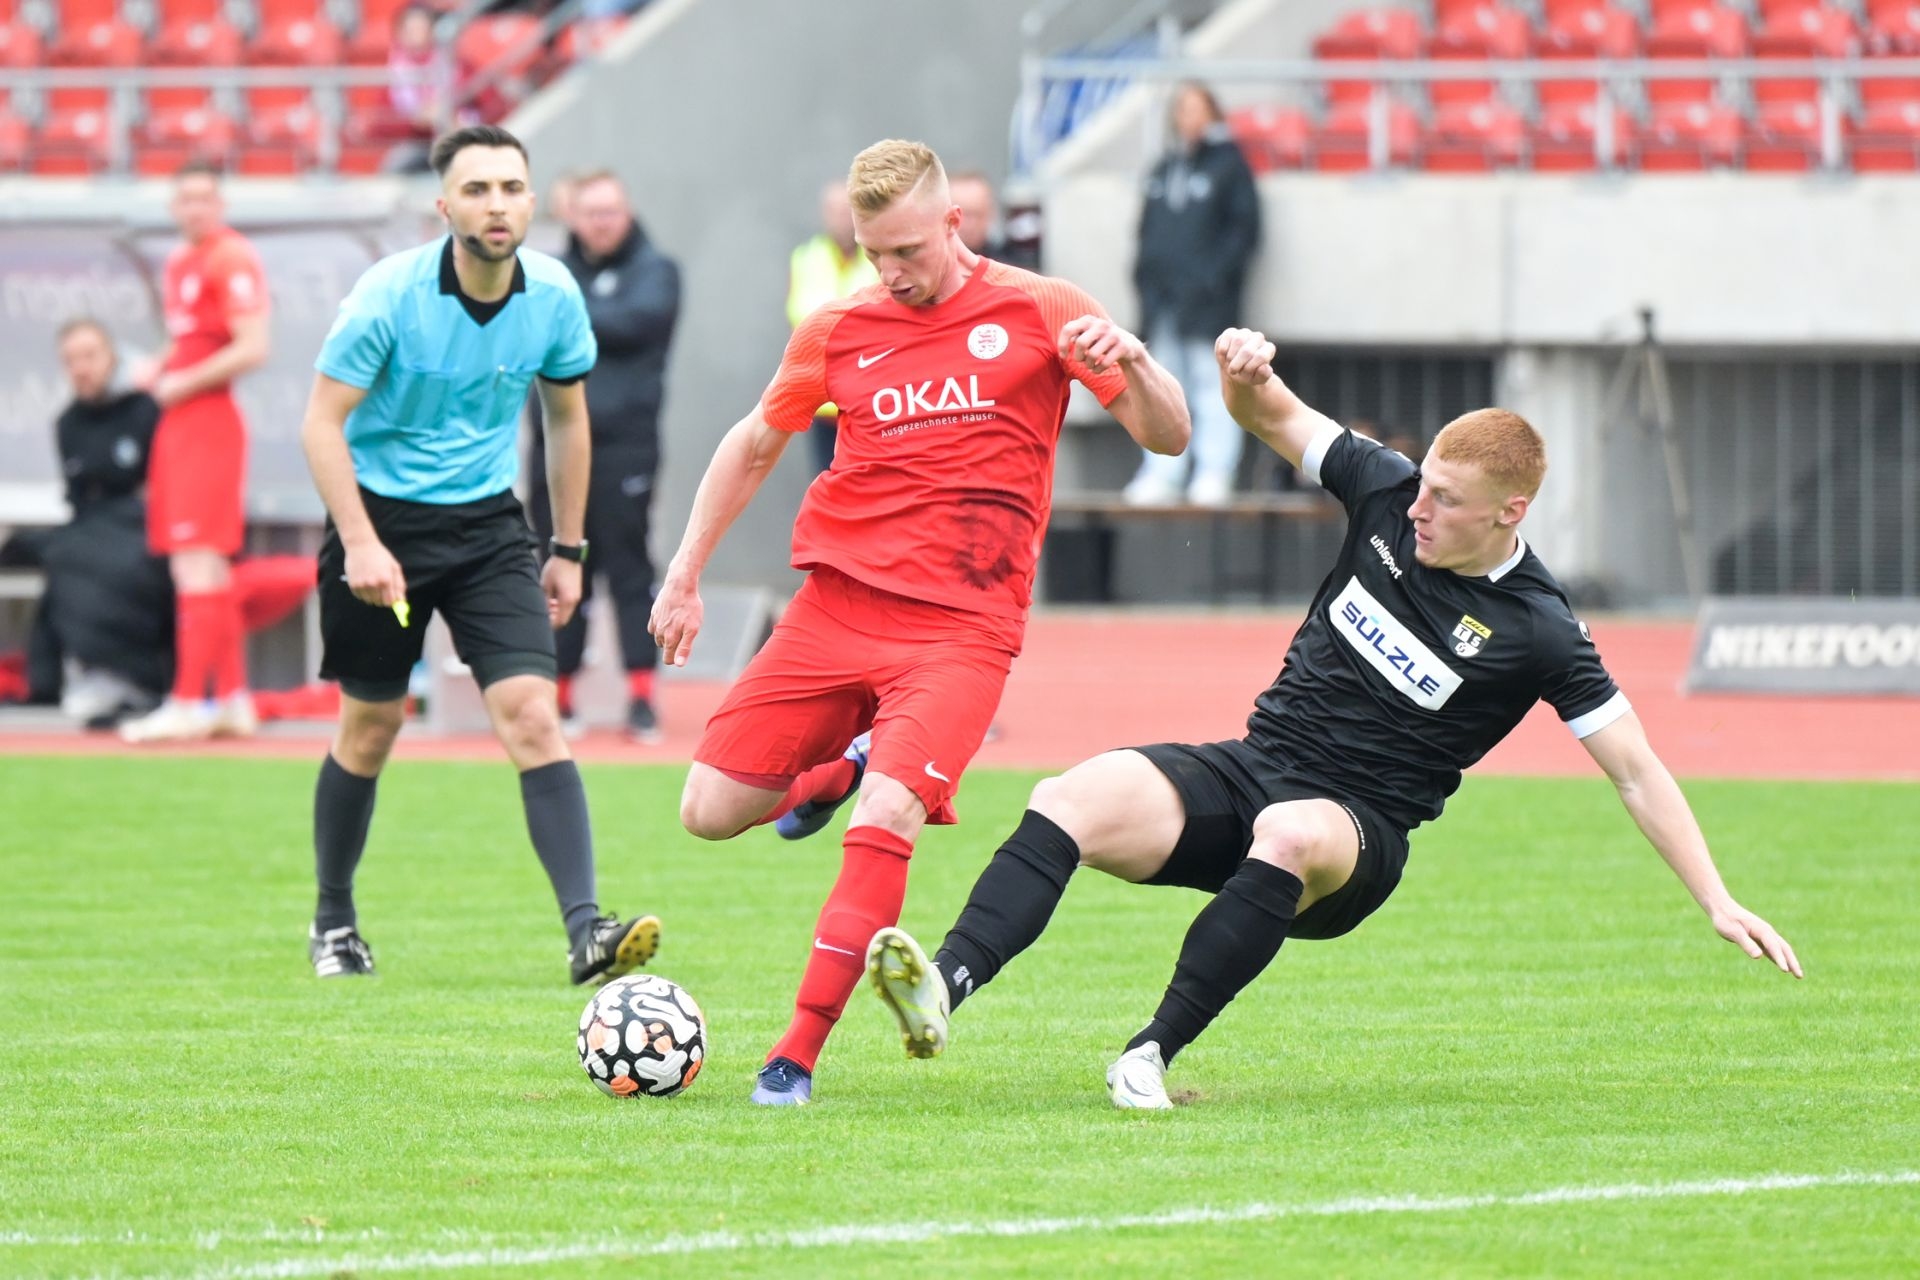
x,y
827,267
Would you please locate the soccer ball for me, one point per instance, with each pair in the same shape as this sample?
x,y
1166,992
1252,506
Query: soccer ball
x,y
642,1037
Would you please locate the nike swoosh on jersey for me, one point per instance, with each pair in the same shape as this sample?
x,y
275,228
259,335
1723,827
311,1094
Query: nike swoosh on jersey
x,y
864,361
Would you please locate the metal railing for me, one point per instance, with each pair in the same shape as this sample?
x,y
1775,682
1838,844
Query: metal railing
x,y
1619,85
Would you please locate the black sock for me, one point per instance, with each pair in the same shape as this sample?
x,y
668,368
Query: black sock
x,y
342,812
1232,939
1010,905
557,820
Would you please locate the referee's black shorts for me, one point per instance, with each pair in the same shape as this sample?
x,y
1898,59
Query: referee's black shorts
x,y
471,562
1224,786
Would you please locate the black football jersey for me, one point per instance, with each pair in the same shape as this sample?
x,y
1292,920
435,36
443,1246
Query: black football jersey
x,y
1402,676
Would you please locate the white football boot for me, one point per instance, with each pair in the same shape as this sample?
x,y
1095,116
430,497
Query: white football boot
x,y
1138,1081
234,717
910,986
174,720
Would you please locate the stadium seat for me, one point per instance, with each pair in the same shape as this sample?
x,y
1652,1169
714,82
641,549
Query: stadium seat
x,y
1601,31
1473,137
1802,33
1341,144
19,51
280,140
1560,13
1564,139
180,13
1483,33
587,37
191,44
170,139
1892,32
1272,137
1369,35
278,13
102,44
302,42
1713,32
14,135
1686,137
71,144
74,15
1783,137
503,41
1662,11
1886,139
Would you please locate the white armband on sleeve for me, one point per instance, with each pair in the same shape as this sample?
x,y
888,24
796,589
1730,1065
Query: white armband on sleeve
x,y
1600,717
1316,451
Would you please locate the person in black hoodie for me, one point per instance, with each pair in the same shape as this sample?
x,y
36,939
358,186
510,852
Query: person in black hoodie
x,y
633,299
106,618
1199,229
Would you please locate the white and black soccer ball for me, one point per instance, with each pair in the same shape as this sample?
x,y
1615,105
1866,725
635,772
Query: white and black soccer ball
x,y
642,1036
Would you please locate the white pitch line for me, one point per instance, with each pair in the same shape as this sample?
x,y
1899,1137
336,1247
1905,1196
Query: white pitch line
x,y
498,1256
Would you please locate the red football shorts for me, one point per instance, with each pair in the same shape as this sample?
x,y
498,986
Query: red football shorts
x,y
196,482
846,657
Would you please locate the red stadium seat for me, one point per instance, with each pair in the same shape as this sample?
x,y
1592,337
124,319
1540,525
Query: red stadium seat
x,y
1473,138
1342,143
1483,33
1272,137
1566,139
1695,33
19,51
589,36
1599,32
170,139
1560,13
1772,11
1662,11
281,140
71,15
299,43
1886,139
191,44
1783,137
1802,33
1892,32
501,40
102,44
1370,35
180,13
14,136
278,13
71,144
1689,136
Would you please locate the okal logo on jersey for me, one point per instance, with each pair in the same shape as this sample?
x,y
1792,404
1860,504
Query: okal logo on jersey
x,y
1391,648
1470,635
987,341
890,403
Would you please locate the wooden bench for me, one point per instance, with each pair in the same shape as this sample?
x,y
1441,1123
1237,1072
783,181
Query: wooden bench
x,y
1100,513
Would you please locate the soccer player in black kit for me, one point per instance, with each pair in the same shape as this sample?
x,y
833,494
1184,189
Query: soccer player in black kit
x,y
1435,633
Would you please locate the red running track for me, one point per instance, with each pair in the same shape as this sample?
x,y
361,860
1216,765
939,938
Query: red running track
x,y
1091,681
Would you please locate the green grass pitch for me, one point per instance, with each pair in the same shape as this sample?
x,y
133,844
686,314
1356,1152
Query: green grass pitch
x,y
1537,1060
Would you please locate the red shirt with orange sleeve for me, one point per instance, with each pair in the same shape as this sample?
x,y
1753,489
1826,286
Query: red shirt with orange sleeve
x,y
204,288
949,418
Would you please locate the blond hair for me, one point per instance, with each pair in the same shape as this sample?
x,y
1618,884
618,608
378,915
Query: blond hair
x,y
1502,444
889,170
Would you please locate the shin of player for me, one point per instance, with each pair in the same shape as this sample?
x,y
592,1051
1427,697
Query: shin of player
x,y
215,300
951,376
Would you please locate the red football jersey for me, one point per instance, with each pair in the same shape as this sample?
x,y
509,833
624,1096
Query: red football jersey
x,y
206,285
942,476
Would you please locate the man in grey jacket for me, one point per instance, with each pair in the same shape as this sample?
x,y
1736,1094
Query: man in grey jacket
x,y
633,299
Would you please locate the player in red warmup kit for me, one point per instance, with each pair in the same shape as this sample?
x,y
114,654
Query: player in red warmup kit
x,y
952,376
215,299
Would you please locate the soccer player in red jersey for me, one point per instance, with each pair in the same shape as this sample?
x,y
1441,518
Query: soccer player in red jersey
x,y
215,300
952,376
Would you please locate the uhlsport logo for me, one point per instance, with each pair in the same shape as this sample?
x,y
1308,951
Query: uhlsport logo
x,y
890,403
1391,648
987,341
1379,544
1469,635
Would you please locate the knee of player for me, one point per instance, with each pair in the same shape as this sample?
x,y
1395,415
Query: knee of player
x,y
532,723
365,742
702,820
1287,843
1068,803
888,804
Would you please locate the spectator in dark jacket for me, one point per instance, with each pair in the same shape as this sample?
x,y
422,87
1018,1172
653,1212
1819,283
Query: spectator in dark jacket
x,y
1199,228
633,299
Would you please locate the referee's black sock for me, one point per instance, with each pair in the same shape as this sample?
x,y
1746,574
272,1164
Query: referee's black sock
x,y
342,812
1232,939
557,820
1010,905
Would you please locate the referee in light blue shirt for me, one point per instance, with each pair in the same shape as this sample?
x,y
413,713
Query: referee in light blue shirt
x,y
412,435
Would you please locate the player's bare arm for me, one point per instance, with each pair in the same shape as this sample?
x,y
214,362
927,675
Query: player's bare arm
x,y
740,465
373,575
245,353
1152,408
569,459
1259,401
1661,811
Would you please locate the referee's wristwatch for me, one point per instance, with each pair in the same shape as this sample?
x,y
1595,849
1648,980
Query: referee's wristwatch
x,y
574,551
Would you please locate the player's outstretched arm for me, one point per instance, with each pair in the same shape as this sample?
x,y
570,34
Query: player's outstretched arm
x,y
1663,815
563,409
1259,401
373,575
740,465
1153,409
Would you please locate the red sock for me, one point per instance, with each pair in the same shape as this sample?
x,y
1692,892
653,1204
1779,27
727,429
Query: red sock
x,y
865,899
564,686
827,781
640,685
229,645
271,587
196,620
